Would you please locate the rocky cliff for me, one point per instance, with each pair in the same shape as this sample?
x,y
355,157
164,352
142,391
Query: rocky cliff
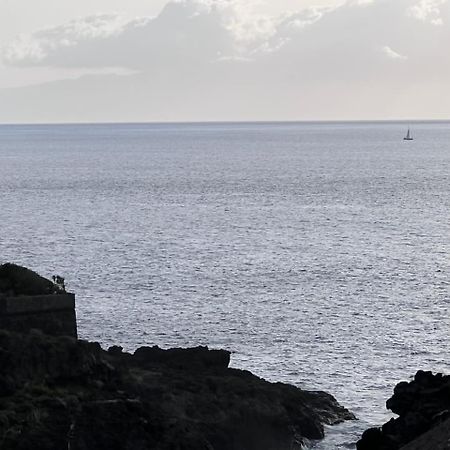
x,y
61,393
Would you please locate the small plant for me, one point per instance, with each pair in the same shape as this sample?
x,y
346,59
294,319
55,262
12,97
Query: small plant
x,y
59,283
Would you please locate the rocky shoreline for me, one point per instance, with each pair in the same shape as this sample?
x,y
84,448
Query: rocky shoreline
x,y
63,393
58,392
423,422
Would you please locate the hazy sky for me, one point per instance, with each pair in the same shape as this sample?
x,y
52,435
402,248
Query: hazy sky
x,y
183,60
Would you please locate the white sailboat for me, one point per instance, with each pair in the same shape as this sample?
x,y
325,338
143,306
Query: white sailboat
x,y
408,136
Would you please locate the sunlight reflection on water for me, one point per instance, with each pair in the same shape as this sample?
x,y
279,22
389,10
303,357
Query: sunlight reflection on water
x,y
318,253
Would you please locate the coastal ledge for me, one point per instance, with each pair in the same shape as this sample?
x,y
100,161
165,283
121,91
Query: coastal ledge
x,y
59,392
28,300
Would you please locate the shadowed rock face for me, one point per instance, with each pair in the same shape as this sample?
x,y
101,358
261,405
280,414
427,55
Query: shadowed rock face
x,y
17,280
422,405
438,438
60,393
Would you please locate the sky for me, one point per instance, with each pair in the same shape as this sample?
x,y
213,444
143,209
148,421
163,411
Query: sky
x,y
223,60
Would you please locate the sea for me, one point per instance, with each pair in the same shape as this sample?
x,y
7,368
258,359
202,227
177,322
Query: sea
x,y
318,253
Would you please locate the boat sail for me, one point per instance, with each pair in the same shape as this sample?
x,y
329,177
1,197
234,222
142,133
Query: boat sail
x,y
408,136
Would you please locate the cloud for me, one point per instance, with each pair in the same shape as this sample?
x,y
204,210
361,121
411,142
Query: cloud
x,y
185,30
392,54
188,30
210,59
204,32
37,48
428,10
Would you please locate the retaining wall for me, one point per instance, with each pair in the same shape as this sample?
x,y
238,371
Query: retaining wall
x,y
53,314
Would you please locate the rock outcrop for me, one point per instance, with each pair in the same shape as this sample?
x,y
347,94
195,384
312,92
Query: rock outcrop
x,y
29,301
59,393
423,406
18,280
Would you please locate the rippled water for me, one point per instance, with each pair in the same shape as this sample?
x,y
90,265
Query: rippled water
x,y
318,253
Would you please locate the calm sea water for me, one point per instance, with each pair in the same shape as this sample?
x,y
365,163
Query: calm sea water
x,y
317,253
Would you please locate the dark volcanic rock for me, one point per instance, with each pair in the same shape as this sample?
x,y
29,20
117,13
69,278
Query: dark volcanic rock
x,y
59,393
17,280
438,438
422,404
189,358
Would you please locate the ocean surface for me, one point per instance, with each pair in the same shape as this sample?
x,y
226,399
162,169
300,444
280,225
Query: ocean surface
x,y
319,253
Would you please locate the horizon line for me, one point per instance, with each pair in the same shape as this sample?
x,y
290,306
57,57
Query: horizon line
x,y
229,122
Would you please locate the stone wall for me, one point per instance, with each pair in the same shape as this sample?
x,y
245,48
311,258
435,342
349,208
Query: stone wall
x,y
53,314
